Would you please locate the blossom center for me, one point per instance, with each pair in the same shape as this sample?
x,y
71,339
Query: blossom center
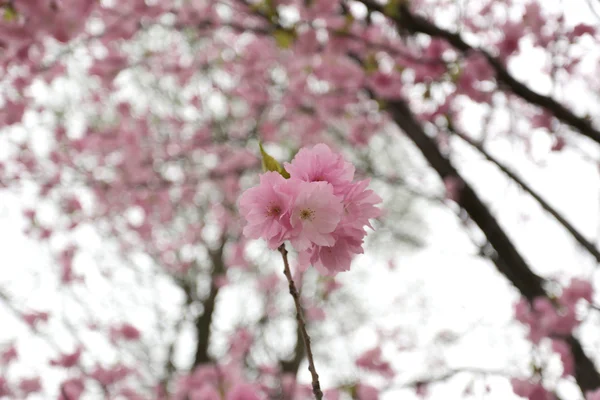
x,y
307,214
273,210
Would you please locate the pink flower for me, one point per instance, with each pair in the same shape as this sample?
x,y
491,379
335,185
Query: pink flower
x,y
111,375
530,390
580,30
314,313
595,395
243,392
513,32
206,392
67,360
240,343
366,392
125,331
359,205
577,289
331,394
321,164
371,360
71,389
4,389
265,208
318,209
30,385
8,355
315,214
386,85
33,318
337,258
564,351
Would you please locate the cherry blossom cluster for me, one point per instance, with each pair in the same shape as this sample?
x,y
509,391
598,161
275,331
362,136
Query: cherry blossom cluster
x,y
544,319
320,209
556,321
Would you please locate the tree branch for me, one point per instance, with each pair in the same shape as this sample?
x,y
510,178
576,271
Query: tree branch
x,y
301,324
292,365
203,322
588,245
407,21
507,259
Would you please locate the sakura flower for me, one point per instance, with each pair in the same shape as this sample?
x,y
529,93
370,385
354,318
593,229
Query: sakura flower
x,y
366,392
8,355
243,392
530,390
67,360
265,208
371,360
320,163
206,392
34,317
577,289
125,332
359,205
319,209
564,351
337,258
30,385
315,214
71,389
4,389
595,395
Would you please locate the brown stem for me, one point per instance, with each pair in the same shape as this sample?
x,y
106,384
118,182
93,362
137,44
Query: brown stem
x,y
302,324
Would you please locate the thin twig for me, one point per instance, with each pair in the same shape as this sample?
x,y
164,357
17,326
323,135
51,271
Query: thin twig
x,y
302,324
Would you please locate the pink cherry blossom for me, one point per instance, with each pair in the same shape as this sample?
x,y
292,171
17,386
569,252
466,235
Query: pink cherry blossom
x,y
593,395
243,392
366,392
71,389
8,355
577,289
30,385
4,388
124,331
315,214
359,205
205,392
371,360
266,209
337,258
67,360
564,351
320,163
33,318
318,209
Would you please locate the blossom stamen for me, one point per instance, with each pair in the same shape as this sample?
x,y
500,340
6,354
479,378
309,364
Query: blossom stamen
x,y
273,210
307,214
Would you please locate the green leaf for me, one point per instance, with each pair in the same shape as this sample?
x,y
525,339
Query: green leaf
x,y
271,164
284,38
348,21
454,71
10,14
371,64
392,9
266,7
